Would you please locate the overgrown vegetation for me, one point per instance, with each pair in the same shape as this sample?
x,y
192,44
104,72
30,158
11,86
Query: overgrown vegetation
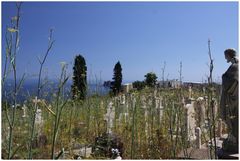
x,y
150,122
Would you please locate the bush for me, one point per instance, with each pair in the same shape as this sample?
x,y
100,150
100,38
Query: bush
x,y
139,85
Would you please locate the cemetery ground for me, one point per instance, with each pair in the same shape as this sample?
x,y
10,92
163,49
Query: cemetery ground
x,y
155,123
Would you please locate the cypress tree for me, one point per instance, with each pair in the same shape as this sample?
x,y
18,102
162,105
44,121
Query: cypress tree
x,y
117,79
79,86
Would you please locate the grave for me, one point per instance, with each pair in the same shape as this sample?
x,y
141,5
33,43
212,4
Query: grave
x,y
109,117
39,121
24,108
190,122
199,107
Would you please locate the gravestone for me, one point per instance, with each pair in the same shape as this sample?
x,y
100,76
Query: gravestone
x,y
204,90
199,107
24,108
190,122
109,117
39,121
123,99
189,92
123,112
159,107
144,107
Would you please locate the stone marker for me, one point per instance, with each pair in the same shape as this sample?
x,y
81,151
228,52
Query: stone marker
x,y
109,117
24,111
198,138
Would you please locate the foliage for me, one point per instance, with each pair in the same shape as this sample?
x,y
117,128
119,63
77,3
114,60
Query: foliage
x,y
117,79
139,85
79,87
151,79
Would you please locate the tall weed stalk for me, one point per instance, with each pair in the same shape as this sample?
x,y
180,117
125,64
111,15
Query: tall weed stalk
x,y
60,103
12,50
39,87
211,105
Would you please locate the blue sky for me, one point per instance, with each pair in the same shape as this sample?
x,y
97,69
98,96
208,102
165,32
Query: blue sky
x,y
141,35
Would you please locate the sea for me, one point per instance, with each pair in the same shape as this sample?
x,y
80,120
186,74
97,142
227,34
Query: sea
x,y
28,90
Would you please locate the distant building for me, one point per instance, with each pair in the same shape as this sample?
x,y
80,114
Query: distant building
x,y
127,87
174,83
194,84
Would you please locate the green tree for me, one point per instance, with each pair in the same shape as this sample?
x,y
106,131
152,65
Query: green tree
x,y
117,79
151,79
79,87
139,85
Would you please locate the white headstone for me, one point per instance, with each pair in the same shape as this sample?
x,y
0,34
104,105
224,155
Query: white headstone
x,y
199,107
109,117
190,121
123,99
204,90
39,121
39,116
189,92
24,111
